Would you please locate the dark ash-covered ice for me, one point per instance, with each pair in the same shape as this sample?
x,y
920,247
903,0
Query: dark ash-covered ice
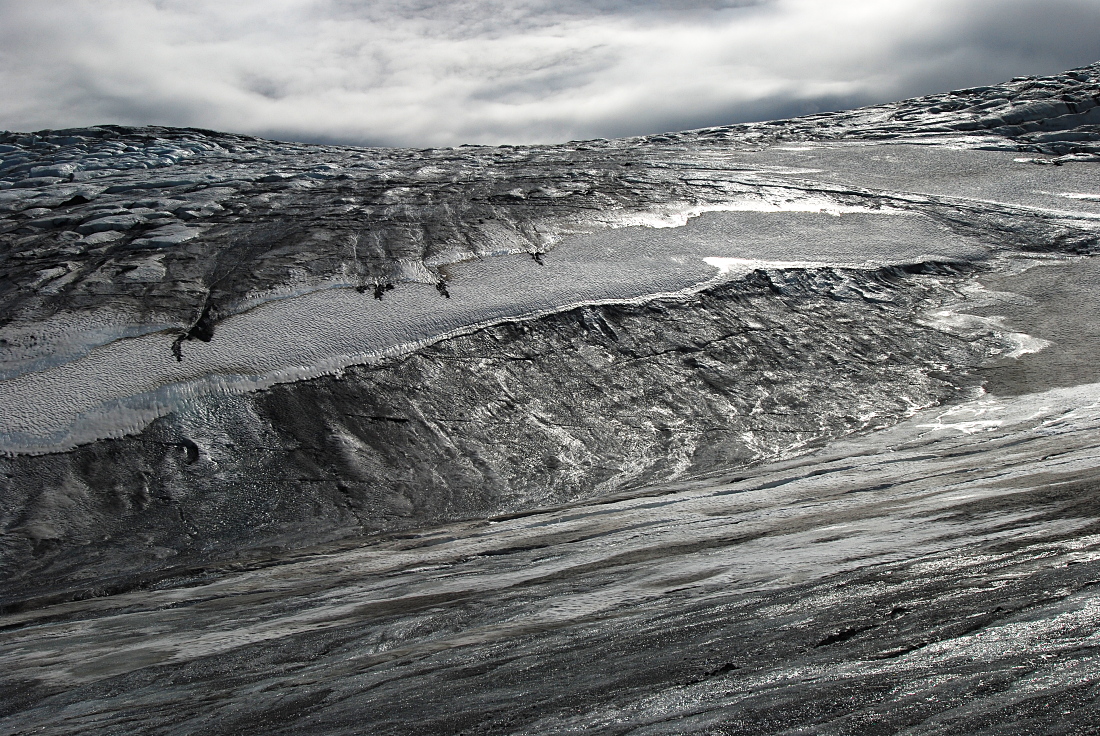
x,y
770,428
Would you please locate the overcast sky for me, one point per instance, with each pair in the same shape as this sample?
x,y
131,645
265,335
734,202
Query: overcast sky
x,y
437,72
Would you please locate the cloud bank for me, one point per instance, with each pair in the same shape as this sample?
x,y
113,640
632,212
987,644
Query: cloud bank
x,y
436,72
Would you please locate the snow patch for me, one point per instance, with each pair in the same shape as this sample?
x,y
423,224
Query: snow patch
x,y
741,266
678,216
970,325
1079,195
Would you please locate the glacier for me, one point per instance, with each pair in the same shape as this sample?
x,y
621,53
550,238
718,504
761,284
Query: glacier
x,y
765,428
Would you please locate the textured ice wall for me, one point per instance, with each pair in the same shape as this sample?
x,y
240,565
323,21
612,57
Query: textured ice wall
x,y
119,387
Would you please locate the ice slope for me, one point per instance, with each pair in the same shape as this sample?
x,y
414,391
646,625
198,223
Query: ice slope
x,y
117,241
102,365
766,428
119,387
938,577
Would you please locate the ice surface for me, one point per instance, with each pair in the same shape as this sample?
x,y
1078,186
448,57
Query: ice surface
x,y
975,175
119,387
819,580
895,308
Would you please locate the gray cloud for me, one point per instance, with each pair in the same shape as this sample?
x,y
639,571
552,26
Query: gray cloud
x,y
432,72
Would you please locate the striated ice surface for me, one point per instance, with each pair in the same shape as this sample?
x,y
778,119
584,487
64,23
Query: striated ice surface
x,y
163,236
787,427
122,387
119,387
889,579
